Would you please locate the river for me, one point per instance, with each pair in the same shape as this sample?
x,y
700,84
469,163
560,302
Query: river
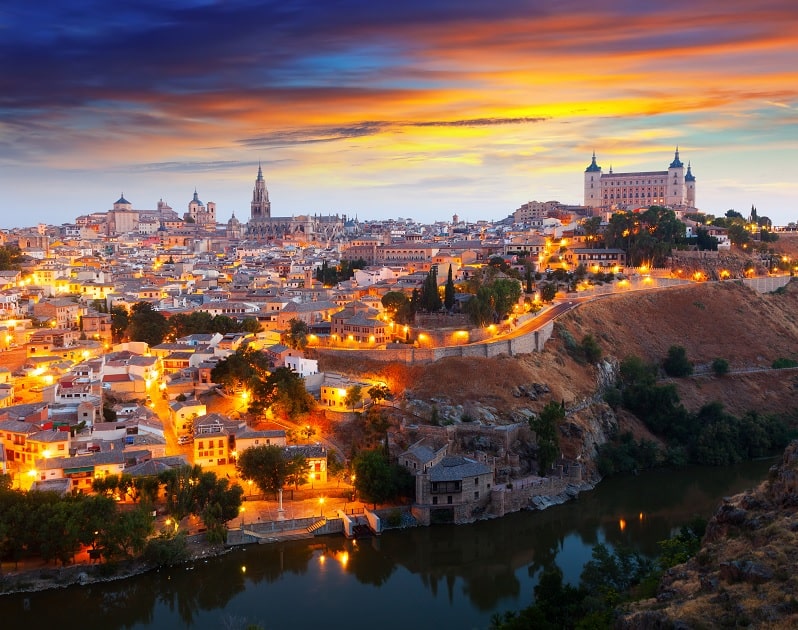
x,y
427,577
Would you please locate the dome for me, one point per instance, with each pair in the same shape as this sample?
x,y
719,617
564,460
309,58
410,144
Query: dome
x,y
122,200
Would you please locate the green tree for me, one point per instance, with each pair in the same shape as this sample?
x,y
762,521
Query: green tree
x,y
283,392
374,479
265,465
354,396
720,367
297,469
147,324
448,291
245,368
548,291
378,393
546,427
677,364
590,349
297,335
120,320
10,257
430,297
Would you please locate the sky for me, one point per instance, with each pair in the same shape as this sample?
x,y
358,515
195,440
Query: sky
x,y
378,109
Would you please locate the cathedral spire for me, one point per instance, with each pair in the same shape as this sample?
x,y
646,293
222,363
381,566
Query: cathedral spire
x,y
677,163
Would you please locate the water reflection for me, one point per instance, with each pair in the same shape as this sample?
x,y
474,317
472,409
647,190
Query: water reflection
x,y
459,576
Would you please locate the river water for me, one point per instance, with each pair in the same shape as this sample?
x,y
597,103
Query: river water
x,y
433,577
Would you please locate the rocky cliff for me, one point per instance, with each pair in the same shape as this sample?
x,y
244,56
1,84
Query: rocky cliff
x,y
744,574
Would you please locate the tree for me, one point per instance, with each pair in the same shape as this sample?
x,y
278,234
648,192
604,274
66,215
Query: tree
x,y
245,368
548,291
354,396
720,367
283,392
10,257
590,349
374,479
265,465
448,291
120,319
677,364
296,469
297,335
430,298
546,428
379,392
147,324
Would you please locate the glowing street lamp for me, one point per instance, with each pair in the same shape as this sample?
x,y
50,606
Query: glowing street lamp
x,y
321,506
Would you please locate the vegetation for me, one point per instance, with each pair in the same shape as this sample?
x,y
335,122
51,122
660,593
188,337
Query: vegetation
x,y
265,465
709,436
146,324
203,323
781,363
297,335
677,364
608,581
10,257
283,391
401,309
330,276
493,301
377,480
546,428
720,367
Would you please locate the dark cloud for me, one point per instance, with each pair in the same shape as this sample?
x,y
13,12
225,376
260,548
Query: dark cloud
x,y
478,122
314,135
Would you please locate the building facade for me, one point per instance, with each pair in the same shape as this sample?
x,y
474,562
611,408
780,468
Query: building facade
x,y
674,187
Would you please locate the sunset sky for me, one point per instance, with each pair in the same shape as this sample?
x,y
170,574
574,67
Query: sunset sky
x,y
391,109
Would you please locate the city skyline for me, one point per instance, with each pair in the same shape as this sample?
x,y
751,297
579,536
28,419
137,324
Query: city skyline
x,y
383,110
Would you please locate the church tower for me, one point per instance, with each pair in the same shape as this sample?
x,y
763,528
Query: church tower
x,y
261,207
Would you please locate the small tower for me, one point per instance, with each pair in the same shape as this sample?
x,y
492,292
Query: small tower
x,y
593,197
689,183
674,187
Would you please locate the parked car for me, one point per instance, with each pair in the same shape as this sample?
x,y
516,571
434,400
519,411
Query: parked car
x,y
185,439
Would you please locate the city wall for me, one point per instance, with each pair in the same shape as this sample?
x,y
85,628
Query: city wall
x,y
402,353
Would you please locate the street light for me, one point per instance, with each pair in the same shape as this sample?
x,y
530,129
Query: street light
x,y
249,483
321,506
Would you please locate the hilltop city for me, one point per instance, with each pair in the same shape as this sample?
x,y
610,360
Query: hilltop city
x,y
118,329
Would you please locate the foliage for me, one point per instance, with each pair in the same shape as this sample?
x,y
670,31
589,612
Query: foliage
x,y
244,368
354,396
548,291
399,307
203,323
430,296
448,291
493,301
710,436
379,392
546,428
283,392
120,319
626,455
677,364
265,465
147,324
296,470
330,276
680,548
10,257
376,479
781,363
297,335
720,367
167,549
647,237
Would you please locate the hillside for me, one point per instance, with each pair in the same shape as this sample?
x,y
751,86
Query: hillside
x,y
744,574
710,320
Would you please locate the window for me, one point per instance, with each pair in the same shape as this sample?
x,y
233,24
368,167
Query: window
x,y
476,494
449,500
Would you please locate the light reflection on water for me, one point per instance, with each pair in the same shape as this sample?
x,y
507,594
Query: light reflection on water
x,y
442,576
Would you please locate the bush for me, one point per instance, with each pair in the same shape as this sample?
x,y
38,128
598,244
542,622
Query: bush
x,y
677,364
167,550
782,363
720,367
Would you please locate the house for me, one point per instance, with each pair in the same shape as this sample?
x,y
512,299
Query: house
x,y
215,440
315,457
248,438
420,458
184,413
454,490
357,324
83,469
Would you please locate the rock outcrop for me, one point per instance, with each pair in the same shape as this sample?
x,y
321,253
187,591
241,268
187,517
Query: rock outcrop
x,y
744,574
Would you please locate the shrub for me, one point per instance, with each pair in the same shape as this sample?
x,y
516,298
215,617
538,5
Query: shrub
x,y
677,364
782,363
720,367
